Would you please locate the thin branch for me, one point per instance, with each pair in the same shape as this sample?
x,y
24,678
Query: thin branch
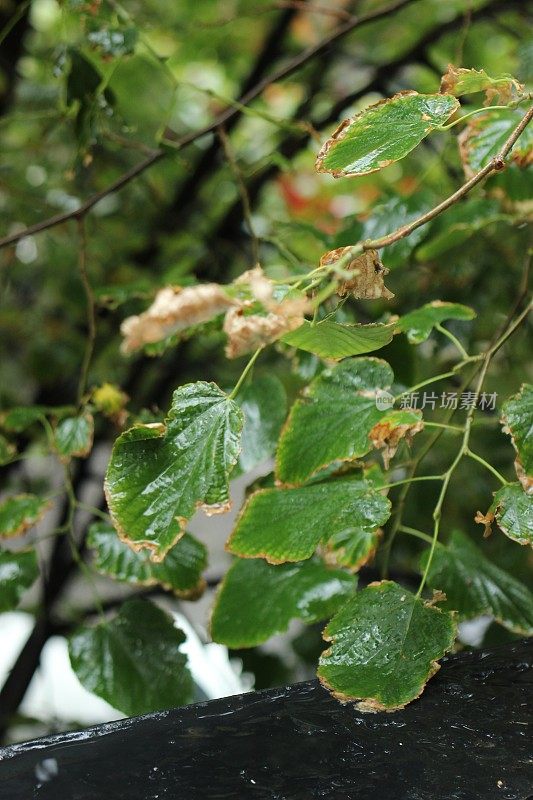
x,y
496,164
181,142
245,199
91,318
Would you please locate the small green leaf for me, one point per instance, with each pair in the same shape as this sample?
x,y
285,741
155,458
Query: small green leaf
x,y
264,405
418,324
329,339
517,420
133,661
20,512
20,418
180,572
333,419
159,474
385,646
391,215
258,600
288,524
74,436
384,133
513,511
459,81
353,547
484,136
17,573
474,586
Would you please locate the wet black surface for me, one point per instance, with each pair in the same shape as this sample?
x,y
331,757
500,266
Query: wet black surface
x,y
465,739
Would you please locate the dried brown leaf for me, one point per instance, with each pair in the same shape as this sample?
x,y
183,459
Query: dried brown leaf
x,y
368,271
387,436
486,520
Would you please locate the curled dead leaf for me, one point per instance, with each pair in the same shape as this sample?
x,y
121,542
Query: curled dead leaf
x,y
247,333
368,271
174,309
486,520
386,436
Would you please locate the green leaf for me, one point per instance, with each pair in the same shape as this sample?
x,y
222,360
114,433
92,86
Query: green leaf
x,y
333,419
513,510
17,573
517,420
114,41
459,81
257,600
264,405
332,340
484,136
385,646
159,474
458,224
288,524
133,660
74,436
20,512
418,324
7,450
396,425
474,586
353,547
20,418
384,133
180,572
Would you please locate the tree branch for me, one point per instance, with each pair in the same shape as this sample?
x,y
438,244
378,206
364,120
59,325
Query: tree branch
x,y
180,143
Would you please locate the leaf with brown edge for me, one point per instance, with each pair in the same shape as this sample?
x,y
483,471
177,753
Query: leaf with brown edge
x,y
20,512
387,434
498,91
368,274
283,525
513,511
383,133
485,135
159,474
385,644
517,420
332,419
73,436
352,548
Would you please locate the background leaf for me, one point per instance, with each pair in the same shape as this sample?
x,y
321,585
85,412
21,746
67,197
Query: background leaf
x,y
17,573
74,436
484,136
384,133
20,512
180,572
419,323
133,660
474,586
517,419
264,405
257,600
385,643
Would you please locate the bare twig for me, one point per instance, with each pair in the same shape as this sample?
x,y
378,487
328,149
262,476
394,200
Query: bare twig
x,y
245,199
183,141
91,320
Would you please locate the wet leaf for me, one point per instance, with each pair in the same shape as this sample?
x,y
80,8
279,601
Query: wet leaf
x,y
391,215
387,434
180,572
474,586
484,136
329,339
133,660
258,600
333,418
74,436
20,512
513,511
498,91
368,278
384,133
517,420
353,547
385,643
160,473
17,573
264,405
418,324
282,525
